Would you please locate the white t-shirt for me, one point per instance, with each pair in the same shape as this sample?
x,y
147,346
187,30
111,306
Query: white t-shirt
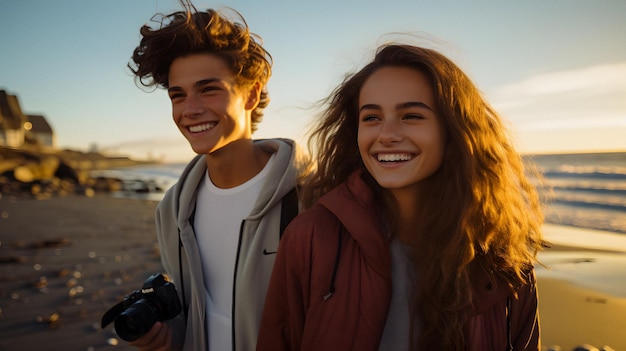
x,y
218,217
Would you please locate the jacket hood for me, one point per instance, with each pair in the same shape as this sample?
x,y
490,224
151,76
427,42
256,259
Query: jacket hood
x,y
290,164
353,204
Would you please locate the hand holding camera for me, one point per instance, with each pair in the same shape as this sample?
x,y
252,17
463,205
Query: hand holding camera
x,y
157,300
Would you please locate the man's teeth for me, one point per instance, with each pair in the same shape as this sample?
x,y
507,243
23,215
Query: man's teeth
x,y
201,127
393,157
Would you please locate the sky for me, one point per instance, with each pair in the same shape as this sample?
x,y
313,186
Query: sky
x,y
554,69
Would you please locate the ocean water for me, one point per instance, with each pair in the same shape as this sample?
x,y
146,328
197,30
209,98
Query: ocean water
x,y
586,190
146,182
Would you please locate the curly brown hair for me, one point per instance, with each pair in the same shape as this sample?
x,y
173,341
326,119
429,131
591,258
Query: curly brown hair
x,y
483,210
189,32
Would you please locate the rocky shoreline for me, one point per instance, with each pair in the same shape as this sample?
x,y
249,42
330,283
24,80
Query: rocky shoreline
x,y
44,172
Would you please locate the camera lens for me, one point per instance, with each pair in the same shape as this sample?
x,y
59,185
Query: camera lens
x,y
136,320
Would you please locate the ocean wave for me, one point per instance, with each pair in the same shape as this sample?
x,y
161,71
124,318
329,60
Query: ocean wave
x,y
587,174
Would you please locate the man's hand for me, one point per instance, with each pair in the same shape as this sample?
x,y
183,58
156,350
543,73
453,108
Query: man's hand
x,y
158,338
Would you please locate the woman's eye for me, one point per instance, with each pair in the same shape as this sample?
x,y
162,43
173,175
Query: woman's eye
x,y
413,116
369,118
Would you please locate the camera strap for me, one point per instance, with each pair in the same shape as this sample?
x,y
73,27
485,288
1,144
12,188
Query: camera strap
x,y
288,211
111,314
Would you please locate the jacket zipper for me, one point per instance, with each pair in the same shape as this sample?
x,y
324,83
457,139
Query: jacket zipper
x,y
232,324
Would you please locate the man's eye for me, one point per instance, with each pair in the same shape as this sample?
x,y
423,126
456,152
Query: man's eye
x,y
210,89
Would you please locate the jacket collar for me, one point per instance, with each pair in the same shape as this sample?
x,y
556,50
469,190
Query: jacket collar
x,y
354,205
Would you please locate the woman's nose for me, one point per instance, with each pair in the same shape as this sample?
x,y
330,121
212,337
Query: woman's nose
x,y
390,132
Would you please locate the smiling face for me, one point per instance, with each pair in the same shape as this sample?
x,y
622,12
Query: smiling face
x,y
400,137
207,106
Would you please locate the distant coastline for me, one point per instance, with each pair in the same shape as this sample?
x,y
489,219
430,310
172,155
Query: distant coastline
x,y
80,159
43,172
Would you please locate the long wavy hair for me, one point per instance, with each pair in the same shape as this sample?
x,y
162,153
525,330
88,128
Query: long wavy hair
x,y
483,211
189,32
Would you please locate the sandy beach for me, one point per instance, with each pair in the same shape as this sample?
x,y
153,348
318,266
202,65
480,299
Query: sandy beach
x,y
64,261
582,288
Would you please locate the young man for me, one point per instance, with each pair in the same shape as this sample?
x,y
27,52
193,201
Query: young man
x,y
218,228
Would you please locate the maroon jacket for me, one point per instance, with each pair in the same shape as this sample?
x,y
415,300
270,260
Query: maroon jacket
x,y
331,285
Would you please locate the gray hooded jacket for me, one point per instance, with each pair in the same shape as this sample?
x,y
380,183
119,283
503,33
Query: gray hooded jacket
x,y
258,242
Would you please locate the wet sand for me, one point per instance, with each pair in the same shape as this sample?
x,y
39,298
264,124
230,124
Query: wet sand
x,y
65,261
573,315
582,288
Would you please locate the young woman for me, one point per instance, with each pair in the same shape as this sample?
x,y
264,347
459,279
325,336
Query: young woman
x,y
422,228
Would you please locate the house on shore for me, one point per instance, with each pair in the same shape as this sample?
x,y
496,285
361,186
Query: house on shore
x,y
12,119
38,130
17,128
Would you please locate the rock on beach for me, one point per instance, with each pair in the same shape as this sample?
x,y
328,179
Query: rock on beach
x,y
45,172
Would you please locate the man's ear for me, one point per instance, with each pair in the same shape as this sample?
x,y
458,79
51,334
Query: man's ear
x,y
254,96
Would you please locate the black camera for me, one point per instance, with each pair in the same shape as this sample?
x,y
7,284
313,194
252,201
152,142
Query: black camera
x,y
157,300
